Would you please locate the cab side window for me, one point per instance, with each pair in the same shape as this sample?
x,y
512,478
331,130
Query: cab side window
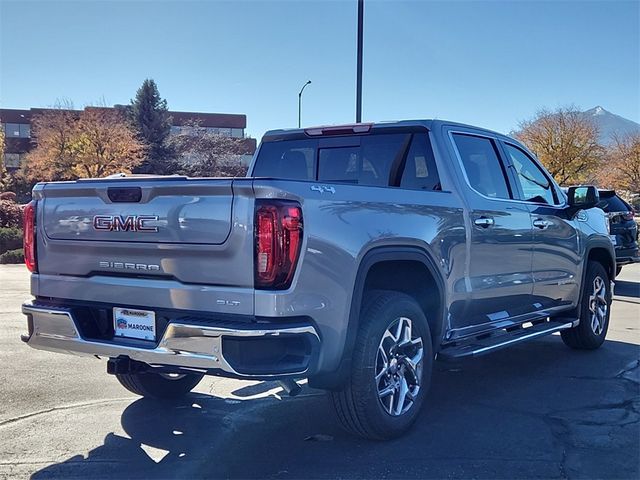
x,y
534,184
420,172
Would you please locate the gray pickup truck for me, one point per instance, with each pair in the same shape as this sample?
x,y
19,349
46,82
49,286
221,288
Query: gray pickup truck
x,y
354,256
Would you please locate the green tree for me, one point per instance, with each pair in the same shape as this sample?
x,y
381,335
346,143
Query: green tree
x,y
151,119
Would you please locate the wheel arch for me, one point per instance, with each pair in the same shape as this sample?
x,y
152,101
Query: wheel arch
x,y
380,261
582,336
601,253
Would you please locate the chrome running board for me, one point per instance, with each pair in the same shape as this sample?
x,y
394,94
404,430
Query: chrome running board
x,y
476,347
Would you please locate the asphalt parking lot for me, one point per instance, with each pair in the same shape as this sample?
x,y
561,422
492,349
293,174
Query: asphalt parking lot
x,y
538,410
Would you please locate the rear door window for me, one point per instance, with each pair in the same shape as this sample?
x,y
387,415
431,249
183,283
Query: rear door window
x,y
482,165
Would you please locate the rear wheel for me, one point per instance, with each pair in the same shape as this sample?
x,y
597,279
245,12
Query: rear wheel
x,y
594,311
159,385
391,368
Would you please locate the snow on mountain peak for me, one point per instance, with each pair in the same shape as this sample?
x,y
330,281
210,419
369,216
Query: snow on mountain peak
x,y
610,125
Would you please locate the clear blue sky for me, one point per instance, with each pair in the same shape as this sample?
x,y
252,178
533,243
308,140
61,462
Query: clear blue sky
x,y
489,63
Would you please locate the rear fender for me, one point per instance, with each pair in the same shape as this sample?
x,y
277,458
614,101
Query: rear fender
x,y
334,380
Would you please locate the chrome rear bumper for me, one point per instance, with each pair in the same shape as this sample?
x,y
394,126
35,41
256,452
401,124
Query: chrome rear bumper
x,y
196,347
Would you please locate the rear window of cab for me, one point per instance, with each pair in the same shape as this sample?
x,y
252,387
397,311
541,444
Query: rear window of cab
x,y
403,160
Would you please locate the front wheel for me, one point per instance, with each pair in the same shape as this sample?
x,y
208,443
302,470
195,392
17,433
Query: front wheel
x,y
594,310
391,368
159,385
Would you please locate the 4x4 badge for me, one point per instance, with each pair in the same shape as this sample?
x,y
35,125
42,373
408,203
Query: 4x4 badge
x,y
323,189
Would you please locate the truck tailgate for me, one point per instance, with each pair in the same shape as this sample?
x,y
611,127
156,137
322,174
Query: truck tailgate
x,y
196,231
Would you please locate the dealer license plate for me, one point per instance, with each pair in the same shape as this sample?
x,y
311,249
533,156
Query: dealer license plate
x,y
130,323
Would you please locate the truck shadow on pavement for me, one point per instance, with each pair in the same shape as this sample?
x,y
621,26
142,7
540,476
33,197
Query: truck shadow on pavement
x,y
625,288
535,411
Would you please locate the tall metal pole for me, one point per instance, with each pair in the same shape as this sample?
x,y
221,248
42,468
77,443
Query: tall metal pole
x,y
359,61
300,102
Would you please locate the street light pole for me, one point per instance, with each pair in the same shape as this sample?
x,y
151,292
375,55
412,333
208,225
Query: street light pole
x,y
359,63
300,102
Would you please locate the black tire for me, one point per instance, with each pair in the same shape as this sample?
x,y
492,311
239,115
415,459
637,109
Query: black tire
x,y
156,385
358,406
618,269
589,334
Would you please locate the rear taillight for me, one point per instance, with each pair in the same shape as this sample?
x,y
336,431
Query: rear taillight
x,y
29,237
278,238
618,217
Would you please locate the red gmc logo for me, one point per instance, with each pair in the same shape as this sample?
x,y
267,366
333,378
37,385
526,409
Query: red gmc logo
x,y
130,223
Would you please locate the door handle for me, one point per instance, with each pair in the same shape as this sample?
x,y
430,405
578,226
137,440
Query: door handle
x,y
541,224
484,222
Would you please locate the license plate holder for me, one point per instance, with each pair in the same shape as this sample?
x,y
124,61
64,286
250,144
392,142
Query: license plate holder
x,y
134,323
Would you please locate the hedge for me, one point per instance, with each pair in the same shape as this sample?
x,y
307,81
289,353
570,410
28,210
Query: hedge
x,y
10,239
12,256
10,214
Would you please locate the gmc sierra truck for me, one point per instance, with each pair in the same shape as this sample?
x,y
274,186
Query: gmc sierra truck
x,y
353,256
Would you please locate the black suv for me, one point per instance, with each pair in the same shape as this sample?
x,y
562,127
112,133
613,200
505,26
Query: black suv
x,y
622,227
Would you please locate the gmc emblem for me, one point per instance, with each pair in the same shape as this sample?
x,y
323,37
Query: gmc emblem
x,y
130,223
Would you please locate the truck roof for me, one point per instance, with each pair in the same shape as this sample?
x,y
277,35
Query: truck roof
x,y
429,124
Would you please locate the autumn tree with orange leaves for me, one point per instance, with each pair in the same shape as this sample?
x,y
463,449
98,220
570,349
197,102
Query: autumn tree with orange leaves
x,y
105,144
566,142
75,144
622,171
55,130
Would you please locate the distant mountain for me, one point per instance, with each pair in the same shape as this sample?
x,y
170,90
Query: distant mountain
x,y
609,124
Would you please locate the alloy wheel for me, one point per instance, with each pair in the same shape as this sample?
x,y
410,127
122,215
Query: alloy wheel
x,y
398,370
598,305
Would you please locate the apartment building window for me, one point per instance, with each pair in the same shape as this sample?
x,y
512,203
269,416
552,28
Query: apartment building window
x,y
196,130
226,132
12,160
17,130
